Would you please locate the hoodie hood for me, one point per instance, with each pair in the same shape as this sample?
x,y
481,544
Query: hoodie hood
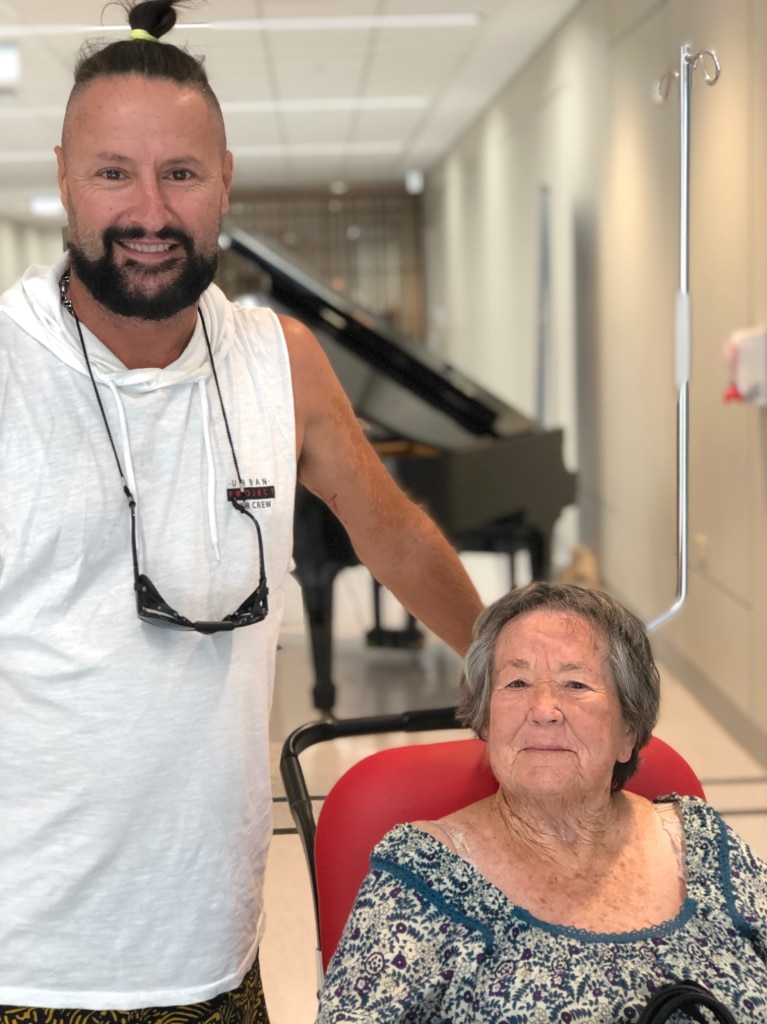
x,y
34,303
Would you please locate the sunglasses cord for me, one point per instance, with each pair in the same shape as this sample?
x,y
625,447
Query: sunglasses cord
x,y
67,304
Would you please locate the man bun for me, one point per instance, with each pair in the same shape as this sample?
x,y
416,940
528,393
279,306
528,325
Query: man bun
x,y
143,55
157,17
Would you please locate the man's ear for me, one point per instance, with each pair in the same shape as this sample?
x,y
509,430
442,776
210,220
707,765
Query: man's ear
x,y
62,177
227,179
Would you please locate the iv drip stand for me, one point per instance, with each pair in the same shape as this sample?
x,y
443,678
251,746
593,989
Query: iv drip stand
x,y
687,64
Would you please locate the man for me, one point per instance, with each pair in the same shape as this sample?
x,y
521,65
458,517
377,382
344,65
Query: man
x,y
136,405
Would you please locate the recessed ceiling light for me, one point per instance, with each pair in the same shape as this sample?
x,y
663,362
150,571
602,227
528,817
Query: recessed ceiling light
x,y
10,66
414,182
46,206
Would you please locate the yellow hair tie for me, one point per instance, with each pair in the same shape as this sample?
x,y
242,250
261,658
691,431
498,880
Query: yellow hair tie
x,y
141,33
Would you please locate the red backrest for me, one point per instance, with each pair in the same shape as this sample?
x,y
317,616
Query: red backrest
x,y
426,782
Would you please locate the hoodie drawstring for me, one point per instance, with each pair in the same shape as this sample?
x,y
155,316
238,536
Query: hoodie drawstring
x,y
212,519
211,462
130,476
129,479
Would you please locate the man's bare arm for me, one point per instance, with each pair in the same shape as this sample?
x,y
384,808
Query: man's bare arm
x,y
392,536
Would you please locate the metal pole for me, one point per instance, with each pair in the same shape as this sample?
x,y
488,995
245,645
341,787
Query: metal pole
x,y
544,307
682,340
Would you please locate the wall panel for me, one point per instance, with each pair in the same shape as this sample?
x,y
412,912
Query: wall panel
x,y
581,117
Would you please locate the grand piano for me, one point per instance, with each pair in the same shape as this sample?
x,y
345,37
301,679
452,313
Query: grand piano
x,y
493,479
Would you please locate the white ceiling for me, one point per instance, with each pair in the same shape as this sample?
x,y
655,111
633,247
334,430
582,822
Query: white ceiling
x,y
304,107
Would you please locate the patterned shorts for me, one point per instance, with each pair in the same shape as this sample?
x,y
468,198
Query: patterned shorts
x,y
243,1005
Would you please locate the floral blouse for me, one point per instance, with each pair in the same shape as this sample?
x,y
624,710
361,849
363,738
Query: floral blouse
x,y
431,940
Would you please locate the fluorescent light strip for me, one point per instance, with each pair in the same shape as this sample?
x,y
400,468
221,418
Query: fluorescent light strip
x,y
26,31
331,23
312,149
330,104
342,22
36,156
266,150
26,113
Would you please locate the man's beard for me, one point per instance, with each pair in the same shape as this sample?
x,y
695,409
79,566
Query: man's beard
x,y
118,287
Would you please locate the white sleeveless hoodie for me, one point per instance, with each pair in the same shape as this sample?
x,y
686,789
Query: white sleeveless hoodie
x,y
135,805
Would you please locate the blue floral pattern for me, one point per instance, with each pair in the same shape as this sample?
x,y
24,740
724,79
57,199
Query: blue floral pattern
x,y
431,940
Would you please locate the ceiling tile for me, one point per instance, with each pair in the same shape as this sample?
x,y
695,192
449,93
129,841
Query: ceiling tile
x,y
458,69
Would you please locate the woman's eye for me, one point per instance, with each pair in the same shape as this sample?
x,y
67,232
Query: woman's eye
x,y
516,684
574,684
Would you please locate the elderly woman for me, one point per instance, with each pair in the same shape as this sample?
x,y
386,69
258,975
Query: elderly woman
x,y
562,897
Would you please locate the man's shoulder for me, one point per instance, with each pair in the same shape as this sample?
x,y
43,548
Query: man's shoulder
x,y
34,294
252,321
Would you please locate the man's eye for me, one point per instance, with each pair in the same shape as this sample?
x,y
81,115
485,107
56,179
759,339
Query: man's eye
x,y
112,174
180,175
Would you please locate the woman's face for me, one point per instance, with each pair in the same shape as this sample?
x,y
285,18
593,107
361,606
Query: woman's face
x,y
555,724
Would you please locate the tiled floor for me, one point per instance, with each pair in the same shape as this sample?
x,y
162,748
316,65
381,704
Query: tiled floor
x,y
380,681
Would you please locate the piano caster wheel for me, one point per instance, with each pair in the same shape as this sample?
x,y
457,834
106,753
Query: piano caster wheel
x,y
410,639
324,696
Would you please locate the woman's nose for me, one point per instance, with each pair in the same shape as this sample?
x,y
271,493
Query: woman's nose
x,y
544,703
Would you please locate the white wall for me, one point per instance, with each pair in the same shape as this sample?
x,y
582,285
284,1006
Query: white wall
x,y
21,245
581,119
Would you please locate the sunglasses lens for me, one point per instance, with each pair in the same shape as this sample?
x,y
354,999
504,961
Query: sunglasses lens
x,y
155,611
253,609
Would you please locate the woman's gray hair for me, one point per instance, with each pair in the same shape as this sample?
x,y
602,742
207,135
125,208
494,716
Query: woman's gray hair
x,y
629,656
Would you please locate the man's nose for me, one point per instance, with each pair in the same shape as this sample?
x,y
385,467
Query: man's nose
x,y
151,205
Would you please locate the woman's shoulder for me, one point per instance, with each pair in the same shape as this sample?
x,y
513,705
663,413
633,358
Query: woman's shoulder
x,y
455,830
411,843
435,852
697,816
713,845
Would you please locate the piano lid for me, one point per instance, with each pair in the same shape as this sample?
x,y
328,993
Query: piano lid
x,y
391,380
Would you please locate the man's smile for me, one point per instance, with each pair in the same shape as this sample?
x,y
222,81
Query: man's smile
x,y
148,247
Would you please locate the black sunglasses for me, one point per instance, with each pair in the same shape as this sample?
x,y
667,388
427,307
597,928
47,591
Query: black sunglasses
x,y
150,605
154,610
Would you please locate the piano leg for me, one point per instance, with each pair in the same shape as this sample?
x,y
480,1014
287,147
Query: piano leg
x,y
321,549
508,536
539,547
318,605
534,543
410,638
